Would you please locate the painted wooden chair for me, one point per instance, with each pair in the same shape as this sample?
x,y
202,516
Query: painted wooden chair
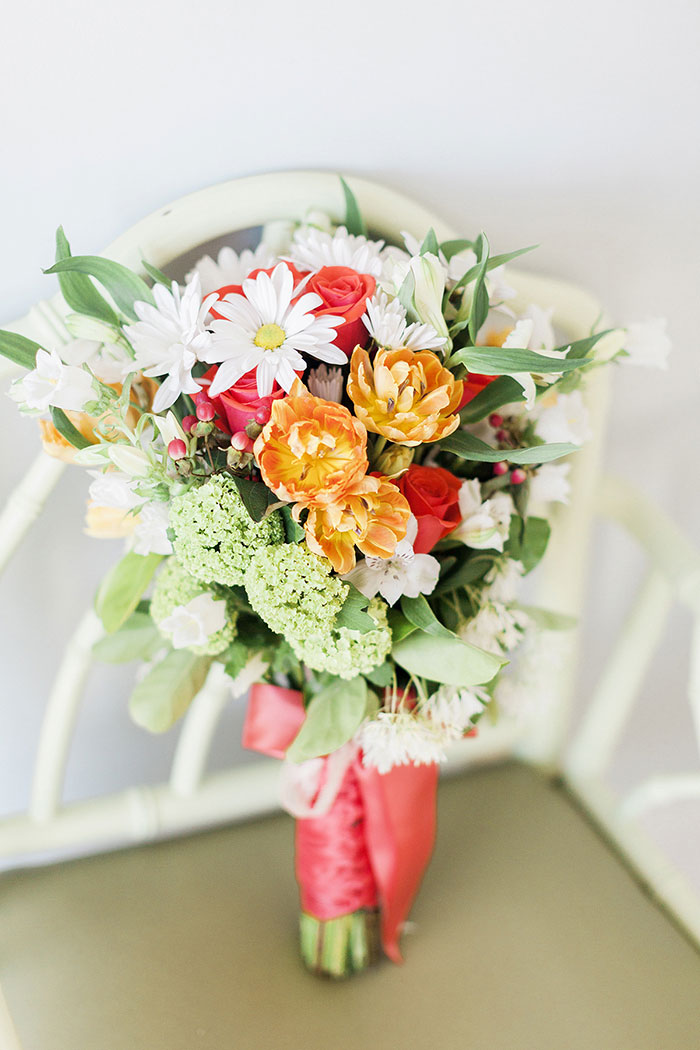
x,y
548,918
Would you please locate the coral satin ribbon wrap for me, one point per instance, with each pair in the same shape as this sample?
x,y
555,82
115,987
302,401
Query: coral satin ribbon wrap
x,y
395,810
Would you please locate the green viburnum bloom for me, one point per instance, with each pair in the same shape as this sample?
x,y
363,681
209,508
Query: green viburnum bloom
x,y
293,590
189,615
215,537
344,652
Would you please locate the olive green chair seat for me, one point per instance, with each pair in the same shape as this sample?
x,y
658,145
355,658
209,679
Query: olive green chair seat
x,y
528,934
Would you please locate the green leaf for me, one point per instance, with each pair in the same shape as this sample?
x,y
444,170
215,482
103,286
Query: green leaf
x,y
466,445
548,620
352,614
120,591
18,349
418,612
400,627
479,308
235,657
381,675
495,361
354,223
502,391
168,689
78,290
446,660
124,286
454,247
157,275
255,496
430,243
405,296
528,540
493,262
332,718
292,529
67,430
470,571
582,347
137,639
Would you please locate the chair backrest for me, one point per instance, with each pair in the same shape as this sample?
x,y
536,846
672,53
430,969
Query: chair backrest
x,y
192,799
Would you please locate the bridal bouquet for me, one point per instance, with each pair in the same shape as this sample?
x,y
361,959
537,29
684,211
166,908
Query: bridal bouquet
x,y
332,461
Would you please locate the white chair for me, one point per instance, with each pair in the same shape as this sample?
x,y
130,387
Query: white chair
x,y
548,918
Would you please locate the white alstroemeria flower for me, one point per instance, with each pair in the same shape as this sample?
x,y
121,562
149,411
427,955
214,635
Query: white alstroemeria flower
x,y
169,338
106,360
170,428
403,573
313,248
113,489
150,534
429,276
528,335
454,707
495,628
52,383
484,526
550,483
647,344
455,268
542,338
263,330
130,460
504,580
565,420
194,623
398,738
327,383
231,267
497,286
385,320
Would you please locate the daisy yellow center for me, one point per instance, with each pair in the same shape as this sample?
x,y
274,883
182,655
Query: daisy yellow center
x,y
269,337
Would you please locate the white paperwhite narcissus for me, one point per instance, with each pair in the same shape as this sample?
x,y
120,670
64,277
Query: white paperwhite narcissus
x,y
169,338
485,525
150,535
194,623
647,344
564,420
53,384
404,573
398,738
385,320
497,628
313,248
454,707
231,267
550,483
264,331
503,580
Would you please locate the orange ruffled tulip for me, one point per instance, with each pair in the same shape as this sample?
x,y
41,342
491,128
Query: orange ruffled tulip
x,y
372,515
405,395
311,451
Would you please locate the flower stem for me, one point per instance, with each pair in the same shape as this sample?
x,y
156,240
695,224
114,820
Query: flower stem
x,y
340,947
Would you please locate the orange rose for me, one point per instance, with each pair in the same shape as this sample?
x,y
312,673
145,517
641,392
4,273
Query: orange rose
x,y
405,395
372,515
311,451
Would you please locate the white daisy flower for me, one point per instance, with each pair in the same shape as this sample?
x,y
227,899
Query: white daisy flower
x,y
263,330
231,267
484,526
194,623
565,420
52,383
327,383
398,738
403,573
550,483
170,337
313,248
455,708
385,320
150,535
647,344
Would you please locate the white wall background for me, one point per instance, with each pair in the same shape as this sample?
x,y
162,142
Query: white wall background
x,y
575,126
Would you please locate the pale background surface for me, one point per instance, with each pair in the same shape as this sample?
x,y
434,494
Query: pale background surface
x,y
574,128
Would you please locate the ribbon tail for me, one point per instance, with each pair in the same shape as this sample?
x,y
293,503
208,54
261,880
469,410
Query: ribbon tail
x,y
400,822
273,718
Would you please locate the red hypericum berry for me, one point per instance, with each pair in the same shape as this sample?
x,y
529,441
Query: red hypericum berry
x,y
501,435
262,416
188,422
517,476
241,442
500,468
177,449
495,420
205,411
